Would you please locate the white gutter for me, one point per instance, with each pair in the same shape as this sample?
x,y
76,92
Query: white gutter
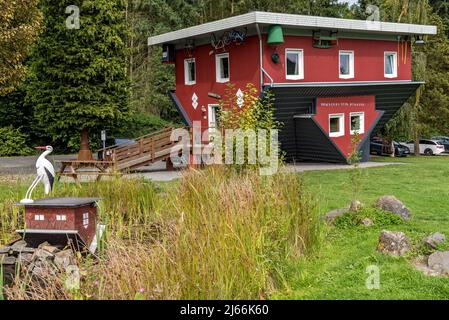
x,y
260,56
269,77
294,20
262,69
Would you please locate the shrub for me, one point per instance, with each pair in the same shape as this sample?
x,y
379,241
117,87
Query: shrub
x,y
13,143
379,217
254,113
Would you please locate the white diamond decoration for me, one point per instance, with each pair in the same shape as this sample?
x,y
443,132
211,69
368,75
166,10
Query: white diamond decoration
x,y
194,101
240,100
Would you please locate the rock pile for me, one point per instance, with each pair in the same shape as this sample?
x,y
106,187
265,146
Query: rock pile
x,y
41,261
398,244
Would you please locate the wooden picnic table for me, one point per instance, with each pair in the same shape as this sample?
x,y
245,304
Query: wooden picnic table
x,y
74,167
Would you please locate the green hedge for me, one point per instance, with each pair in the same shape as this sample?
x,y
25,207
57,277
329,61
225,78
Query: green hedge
x,y
13,142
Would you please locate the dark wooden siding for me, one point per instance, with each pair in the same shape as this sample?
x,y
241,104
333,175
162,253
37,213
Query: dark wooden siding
x,y
313,144
292,101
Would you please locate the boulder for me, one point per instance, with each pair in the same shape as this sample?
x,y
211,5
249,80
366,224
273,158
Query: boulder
x,y
434,240
5,250
17,246
367,222
392,204
439,262
421,264
393,243
50,249
25,258
7,260
334,214
356,206
44,244
64,259
43,269
41,254
23,250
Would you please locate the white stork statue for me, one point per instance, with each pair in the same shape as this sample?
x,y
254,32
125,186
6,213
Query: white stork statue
x,y
45,173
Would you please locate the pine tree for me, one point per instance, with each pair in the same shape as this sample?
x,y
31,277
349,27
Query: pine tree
x,y
80,81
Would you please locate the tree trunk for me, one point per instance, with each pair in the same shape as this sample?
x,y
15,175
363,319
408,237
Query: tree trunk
x,y
85,154
417,153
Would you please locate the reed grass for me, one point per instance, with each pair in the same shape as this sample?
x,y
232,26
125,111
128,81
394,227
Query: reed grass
x,y
214,235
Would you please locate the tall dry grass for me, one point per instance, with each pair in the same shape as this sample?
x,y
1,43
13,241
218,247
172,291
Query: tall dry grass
x,y
217,235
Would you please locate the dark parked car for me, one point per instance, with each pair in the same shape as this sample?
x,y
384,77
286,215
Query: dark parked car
x,y
379,147
114,142
444,141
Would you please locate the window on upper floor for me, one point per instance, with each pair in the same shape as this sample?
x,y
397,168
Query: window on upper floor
x,y
346,64
391,65
190,71
222,67
336,125
39,217
294,64
357,122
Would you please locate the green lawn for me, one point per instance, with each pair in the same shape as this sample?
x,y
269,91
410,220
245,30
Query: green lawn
x,y
338,269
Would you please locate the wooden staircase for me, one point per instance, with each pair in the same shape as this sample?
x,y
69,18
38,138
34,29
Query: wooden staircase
x,y
146,150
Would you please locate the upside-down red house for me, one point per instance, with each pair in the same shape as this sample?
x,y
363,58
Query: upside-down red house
x,y
331,78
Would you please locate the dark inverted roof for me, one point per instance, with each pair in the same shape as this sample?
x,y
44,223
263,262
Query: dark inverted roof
x,y
390,96
62,202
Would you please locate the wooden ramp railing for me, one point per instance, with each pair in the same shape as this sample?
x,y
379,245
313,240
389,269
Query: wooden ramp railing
x,y
147,149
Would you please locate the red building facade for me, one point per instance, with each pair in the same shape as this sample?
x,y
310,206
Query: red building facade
x,y
318,69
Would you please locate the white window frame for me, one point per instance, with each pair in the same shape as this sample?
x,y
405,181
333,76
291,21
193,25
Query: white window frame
x,y
61,217
362,122
300,53
187,80
85,219
341,117
39,217
351,64
395,65
212,111
218,58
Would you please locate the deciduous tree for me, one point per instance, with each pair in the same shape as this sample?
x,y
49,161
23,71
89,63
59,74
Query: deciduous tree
x,y
19,26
